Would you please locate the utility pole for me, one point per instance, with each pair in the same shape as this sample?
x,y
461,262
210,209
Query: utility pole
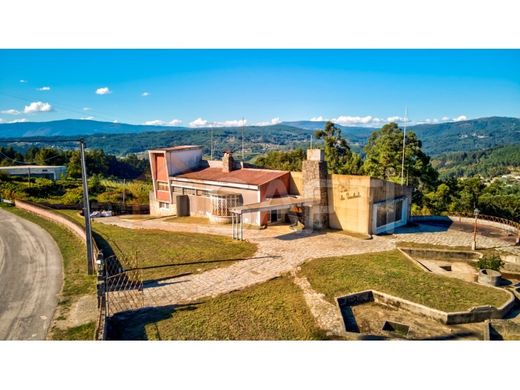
x,y
86,210
404,143
311,141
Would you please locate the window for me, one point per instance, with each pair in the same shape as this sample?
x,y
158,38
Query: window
x,y
389,212
164,205
162,186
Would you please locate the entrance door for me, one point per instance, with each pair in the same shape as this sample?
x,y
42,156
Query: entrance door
x,y
274,216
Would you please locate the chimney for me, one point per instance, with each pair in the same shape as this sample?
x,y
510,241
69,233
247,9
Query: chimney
x,y
227,162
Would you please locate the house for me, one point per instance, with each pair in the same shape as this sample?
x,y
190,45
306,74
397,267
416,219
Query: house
x,y
52,172
229,191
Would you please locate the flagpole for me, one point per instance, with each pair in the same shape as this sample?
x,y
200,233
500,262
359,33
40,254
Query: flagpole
x,y
404,143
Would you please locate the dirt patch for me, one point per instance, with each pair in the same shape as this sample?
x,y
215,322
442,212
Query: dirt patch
x,y
82,311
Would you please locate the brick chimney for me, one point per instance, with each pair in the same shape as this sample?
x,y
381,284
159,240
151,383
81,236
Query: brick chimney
x,y
227,162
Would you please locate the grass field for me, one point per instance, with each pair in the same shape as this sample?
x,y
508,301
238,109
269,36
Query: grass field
x,y
76,281
173,253
274,310
392,273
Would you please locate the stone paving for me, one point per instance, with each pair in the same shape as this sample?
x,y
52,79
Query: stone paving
x,y
327,315
435,235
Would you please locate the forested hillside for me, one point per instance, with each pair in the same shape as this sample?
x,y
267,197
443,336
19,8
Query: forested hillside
x,y
487,163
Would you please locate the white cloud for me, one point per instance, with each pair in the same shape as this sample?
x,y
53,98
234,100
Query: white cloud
x,y
103,91
37,107
317,119
44,89
11,112
445,118
273,121
397,119
345,120
87,118
23,81
158,122
199,122
115,121
18,120
460,118
145,94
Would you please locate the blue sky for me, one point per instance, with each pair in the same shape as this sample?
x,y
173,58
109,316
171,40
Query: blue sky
x,y
216,87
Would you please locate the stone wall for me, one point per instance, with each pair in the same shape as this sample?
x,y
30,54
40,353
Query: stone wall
x,y
315,186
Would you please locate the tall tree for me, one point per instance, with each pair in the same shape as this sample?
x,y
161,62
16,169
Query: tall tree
x,y
338,155
384,152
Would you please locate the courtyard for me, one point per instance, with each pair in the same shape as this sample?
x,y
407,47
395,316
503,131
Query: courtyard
x,y
297,259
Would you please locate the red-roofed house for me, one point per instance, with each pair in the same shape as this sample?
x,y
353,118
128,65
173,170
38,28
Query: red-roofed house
x,y
185,184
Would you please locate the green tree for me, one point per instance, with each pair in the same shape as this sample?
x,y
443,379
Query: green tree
x,y
284,160
338,155
383,160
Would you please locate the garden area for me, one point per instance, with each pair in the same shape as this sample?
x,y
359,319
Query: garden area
x,y
392,273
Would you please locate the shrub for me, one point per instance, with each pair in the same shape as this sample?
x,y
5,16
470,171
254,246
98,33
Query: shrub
x,y
490,262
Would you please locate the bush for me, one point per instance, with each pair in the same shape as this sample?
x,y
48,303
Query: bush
x,y
490,262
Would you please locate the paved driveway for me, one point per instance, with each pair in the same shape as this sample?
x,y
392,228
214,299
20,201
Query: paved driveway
x,y
30,279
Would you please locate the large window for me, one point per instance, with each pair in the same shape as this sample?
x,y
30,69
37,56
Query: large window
x,y
164,205
389,212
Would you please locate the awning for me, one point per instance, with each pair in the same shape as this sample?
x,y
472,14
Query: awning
x,y
273,204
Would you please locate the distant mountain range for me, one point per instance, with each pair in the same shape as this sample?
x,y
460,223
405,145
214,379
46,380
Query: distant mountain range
x,y
438,138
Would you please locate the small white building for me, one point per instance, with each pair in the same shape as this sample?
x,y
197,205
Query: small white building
x,y
52,172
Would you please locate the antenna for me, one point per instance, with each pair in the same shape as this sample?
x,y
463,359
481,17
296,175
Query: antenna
x,y
404,143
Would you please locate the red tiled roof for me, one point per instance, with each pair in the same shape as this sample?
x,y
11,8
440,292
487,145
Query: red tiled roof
x,y
238,176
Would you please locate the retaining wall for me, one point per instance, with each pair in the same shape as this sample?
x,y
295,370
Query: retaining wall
x,y
475,314
48,214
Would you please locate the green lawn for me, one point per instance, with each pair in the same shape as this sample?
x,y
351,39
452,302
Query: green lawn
x,y
174,252
274,310
76,281
392,273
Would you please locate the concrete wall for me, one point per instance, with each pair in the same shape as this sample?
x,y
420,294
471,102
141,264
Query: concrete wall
x,y
349,203
156,211
295,183
183,160
48,214
476,314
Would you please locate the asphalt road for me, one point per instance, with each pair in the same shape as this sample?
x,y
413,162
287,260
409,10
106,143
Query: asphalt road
x,y
30,279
